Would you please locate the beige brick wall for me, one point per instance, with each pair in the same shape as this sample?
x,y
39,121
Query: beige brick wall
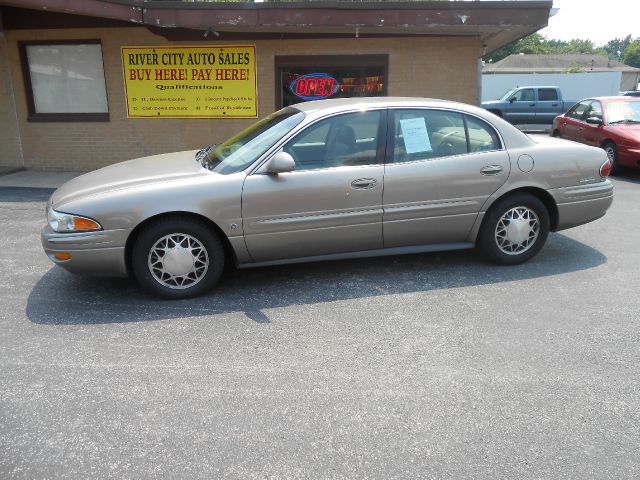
x,y
430,67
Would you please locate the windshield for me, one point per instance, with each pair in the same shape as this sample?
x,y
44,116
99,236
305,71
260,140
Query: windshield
x,y
508,94
623,112
240,151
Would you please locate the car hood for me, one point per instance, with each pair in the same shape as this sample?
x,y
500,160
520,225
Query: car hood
x,y
492,102
132,173
632,128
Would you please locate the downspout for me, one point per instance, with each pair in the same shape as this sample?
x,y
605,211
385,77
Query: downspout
x,y
483,52
18,137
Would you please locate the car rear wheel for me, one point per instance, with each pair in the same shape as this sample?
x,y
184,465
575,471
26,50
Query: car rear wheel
x,y
514,230
612,153
177,258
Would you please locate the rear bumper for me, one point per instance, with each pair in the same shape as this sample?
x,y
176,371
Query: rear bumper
x,y
582,204
93,253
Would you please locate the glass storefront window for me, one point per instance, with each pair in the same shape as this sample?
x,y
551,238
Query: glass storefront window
x,y
315,78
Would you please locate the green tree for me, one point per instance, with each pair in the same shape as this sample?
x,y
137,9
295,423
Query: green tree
x,y
534,43
632,54
538,44
617,46
578,45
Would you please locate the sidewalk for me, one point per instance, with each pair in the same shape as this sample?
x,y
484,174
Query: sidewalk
x,y
35,179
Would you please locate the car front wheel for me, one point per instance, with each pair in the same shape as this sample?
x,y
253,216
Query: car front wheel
x,y
514,230
612,153
177,258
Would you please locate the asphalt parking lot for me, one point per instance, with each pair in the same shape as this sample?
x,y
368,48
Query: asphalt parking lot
x,y
423,366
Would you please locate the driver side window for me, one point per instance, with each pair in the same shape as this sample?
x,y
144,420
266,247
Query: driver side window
x,y
341,140
577,111
525,95
595,110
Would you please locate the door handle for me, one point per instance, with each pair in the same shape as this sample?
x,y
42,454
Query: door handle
x,y
364,183
532,104
554,104
491,170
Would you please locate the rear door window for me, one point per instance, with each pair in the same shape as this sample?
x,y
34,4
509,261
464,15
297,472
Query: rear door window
x,y
547,94
423,134
426,134
482,136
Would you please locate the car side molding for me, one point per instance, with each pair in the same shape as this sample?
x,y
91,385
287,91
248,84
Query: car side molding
x,y
379,252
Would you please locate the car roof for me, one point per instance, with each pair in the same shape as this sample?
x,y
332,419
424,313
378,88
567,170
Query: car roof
x,y
618,98
315,109
372,102
318,108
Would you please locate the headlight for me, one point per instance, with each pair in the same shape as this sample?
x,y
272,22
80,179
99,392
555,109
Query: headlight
x,y
66,222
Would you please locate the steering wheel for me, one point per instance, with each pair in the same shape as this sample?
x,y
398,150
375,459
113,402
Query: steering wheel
x,y
442,143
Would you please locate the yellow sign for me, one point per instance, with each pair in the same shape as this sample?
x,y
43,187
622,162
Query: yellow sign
x,y
213,81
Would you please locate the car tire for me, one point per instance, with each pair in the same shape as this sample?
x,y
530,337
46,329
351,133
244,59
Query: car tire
x,y
556,133
195,263
530,224
612,153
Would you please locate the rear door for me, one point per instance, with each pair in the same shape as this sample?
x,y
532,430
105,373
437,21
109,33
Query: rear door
x,y
331,203
548,105
441,167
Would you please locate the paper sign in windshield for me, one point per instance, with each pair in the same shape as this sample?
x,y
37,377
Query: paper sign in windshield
x,y
617,111
416,139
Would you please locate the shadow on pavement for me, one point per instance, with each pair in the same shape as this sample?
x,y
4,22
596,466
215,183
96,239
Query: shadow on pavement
x,y
22,194
628,176
60,298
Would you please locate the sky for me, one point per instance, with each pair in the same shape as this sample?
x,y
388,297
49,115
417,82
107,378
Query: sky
x,y
596,20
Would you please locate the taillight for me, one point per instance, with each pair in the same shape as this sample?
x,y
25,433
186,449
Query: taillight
x,y
605,169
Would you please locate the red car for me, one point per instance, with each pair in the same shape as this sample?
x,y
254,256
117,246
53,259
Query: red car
x,y
612,123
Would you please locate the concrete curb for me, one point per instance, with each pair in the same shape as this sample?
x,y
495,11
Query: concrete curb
x,y
35,179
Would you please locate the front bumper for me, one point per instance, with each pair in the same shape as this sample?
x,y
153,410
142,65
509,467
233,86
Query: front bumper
x,y
100,253
629,156
582,204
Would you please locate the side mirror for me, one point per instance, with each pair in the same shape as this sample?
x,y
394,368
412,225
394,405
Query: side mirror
x,y
281,162
512,99
594,120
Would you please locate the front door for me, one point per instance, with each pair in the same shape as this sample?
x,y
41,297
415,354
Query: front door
x,y
331,203
442,168
591,132
574,121
523,106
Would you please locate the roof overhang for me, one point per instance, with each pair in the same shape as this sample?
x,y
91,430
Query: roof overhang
x,y
494,23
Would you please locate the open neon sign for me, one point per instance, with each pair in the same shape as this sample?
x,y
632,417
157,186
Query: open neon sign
x,y
314,86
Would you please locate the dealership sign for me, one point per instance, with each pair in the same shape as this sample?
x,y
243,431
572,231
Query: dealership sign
x,y
314,86
214,81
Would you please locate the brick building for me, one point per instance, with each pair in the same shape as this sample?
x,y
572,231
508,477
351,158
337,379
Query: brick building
x,y
64,103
